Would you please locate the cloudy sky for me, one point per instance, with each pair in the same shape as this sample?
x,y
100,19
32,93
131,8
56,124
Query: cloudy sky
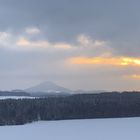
x,y
79,44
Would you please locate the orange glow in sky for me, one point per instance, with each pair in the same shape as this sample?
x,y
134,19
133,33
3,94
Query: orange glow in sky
x,y
121,61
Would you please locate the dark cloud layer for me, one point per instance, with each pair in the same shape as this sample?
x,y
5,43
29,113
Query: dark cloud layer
x,y
63,19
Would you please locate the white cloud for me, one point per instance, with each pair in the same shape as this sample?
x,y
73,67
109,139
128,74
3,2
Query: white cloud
x,y
88,46
24,42
83,46
87,41
5,37
64,46
84,40
32,30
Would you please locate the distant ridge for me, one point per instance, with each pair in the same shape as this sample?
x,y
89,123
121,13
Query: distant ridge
x,y
47,87
50,88
89,91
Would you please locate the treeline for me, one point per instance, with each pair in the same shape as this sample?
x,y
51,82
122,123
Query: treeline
x,y
80,106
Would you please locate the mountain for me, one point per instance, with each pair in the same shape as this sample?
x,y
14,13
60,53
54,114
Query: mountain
x,y
47,87
51,89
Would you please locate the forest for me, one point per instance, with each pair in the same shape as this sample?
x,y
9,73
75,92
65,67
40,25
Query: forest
x,y
78,106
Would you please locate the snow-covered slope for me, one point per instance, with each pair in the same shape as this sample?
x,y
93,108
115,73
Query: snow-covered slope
x,y
96,129
17,97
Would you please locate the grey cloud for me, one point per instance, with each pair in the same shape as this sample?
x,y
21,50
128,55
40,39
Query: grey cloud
x,y
64,19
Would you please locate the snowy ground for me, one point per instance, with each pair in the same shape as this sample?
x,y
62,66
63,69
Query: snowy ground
x,y
95,129
16,97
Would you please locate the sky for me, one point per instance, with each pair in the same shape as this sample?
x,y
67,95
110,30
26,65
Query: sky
x,y
79,44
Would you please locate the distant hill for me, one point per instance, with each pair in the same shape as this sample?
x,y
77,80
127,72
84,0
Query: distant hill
x,y
47,88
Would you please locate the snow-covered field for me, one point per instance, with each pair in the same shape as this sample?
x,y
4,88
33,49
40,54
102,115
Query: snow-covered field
x,y
16,97
94,129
